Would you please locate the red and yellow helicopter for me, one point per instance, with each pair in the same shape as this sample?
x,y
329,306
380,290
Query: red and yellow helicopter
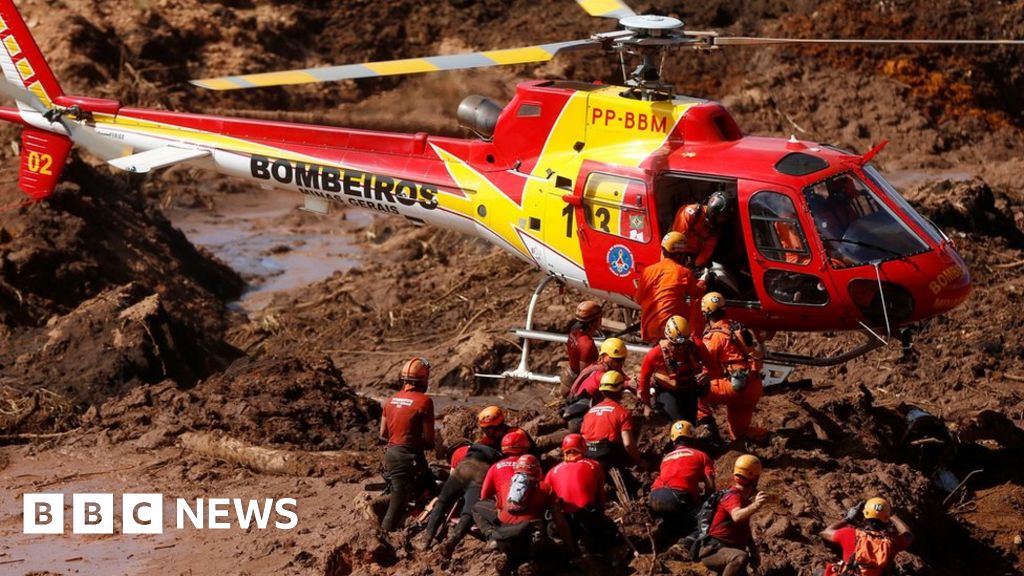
x,y
579,179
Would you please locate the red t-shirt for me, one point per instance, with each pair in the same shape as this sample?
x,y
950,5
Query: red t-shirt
x,y
588,382
458,455
579,484
538,502
846,538
685,469
689,358
723,527
498,479
581,350
606,421
410,419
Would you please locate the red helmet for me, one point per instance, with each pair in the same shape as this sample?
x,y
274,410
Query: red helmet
x,y
573,447
529,465
515,443
416,372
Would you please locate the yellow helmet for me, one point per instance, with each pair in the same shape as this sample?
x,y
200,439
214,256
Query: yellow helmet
x,y
612,381
674,243
712,302
677,330
877,509
490,416
681,429
747,467
613,348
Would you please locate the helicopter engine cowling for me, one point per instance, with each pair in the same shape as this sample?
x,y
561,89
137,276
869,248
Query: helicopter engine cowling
x,y
479,114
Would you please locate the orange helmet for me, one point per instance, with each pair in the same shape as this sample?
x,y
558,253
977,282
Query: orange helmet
x,y
416,372
712,302
490,416
588,311
515,443
574,446
877,509
529,465
747,467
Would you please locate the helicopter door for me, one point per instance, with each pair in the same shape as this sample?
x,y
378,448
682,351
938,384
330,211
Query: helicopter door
x,y
615,229
786,272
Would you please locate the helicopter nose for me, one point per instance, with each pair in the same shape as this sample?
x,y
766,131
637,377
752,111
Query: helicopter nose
x,y
952,285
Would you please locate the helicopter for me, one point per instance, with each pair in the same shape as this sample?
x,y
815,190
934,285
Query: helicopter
x,y
578,179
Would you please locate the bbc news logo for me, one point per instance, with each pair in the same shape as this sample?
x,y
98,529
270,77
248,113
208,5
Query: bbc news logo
x,y
144,513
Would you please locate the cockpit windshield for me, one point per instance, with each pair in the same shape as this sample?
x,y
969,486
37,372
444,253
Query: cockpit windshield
x,y
855,226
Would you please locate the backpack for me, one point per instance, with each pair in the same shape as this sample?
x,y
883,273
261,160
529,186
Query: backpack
x,y
519,493
705,516
871,550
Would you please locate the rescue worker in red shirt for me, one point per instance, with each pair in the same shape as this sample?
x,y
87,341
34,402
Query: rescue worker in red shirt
x,y
668,289
515,524
686,476
499,475
408,427
731,546
580,347
465,481
674,371
867,551
608,430
586,389
702,225
735,371
578,482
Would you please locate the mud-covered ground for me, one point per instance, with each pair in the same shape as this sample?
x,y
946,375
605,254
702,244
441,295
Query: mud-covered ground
x,y
121,342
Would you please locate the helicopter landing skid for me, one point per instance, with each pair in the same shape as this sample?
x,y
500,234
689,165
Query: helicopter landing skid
x,y
522,371
872,341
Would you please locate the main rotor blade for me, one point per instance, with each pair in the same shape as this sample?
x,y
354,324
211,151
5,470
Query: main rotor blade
x,y
606,8
539,53
759,41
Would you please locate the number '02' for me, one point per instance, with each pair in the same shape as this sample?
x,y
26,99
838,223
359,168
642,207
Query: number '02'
x,y
40,163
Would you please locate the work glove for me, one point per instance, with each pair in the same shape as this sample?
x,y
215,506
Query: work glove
x,y
854,512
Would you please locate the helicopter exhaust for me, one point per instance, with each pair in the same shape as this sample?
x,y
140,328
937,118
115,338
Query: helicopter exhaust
x,y
479,114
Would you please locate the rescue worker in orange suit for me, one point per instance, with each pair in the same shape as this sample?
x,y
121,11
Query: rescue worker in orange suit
x,y
609,431
585,390
580,347
674,370
408,427
578,482
867,551
735,371
730,547
701,224
686,476
493,428
668,289
515,523
499,475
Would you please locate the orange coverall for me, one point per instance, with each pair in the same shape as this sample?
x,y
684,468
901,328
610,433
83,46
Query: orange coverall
x,y
662,292
726,356
701,238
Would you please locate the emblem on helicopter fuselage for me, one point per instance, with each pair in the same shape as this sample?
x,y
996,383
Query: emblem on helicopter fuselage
x,y
620,260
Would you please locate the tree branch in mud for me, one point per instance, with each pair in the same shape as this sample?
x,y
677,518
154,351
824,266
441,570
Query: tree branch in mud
x,y
265,460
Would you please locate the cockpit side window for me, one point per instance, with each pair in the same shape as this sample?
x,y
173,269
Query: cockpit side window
x,y
776,229
855,226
